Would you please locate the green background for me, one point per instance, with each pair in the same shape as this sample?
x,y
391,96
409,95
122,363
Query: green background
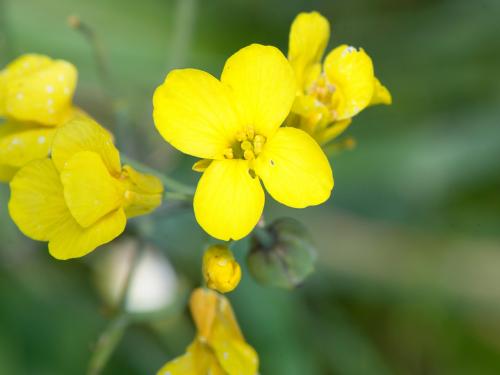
x,y
408,278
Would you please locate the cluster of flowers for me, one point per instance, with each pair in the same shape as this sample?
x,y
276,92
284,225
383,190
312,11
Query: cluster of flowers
x,y
261,124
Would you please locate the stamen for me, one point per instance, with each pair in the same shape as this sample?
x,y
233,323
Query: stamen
x,y
228,153
249,155
250,133
246,145
241,136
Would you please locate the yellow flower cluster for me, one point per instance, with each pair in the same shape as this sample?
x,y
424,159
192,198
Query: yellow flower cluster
x,y
234,125
80,197
219,347
261,124
329,94
35,97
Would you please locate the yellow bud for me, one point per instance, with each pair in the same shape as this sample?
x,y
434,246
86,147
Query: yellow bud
x,y
220,270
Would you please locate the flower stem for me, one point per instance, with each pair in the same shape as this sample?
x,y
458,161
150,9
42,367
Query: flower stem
x,y
97,49
107,343
185,17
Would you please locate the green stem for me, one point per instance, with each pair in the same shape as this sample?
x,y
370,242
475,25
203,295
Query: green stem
x,y
169,182
185,16
107,343
5,47
97,49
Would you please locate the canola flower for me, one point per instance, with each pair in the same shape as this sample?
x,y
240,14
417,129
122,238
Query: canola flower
x,y
219,347
35,97
81,197
233,125
329,93
220,270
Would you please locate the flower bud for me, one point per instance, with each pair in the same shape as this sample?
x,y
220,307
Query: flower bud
x,y
281,254
220,270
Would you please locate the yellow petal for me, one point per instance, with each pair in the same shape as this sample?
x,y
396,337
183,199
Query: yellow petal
x,y
217,325
194,113
84,134
293,156
207,307
333,131
351,72
7,172
36,203
20,143
38,208
201,165
228,201
73,241
143,194
309,36
198,360
381,94
263,84
42,95
22,66
235,357
89,190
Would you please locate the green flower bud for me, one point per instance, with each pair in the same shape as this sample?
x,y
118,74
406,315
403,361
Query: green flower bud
x,y
281,254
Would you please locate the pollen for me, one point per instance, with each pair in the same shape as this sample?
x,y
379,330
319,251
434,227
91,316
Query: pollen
x,y
247,145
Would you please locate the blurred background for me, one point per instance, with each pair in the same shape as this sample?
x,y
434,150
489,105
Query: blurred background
x,y
408,278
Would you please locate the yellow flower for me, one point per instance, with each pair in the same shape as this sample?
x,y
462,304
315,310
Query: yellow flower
x,y
329,94
220,270
219,347
35,96
234,123
81,197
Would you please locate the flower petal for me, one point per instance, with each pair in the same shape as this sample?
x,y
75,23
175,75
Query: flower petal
x,y
217,325
37,203
381,94
21,143
7,172
143,194
263,84
351,72
194,112
309,36
22,66
293,156
42,95
38,208
332,131
73,241
228,202
89,190
198,359
84,134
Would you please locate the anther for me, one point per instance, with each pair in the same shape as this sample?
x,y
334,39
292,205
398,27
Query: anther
x,y
241,136
250,133
228,153
246,145
249,155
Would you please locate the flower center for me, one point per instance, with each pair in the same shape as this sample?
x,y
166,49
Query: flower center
x,y
322,90
246,146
